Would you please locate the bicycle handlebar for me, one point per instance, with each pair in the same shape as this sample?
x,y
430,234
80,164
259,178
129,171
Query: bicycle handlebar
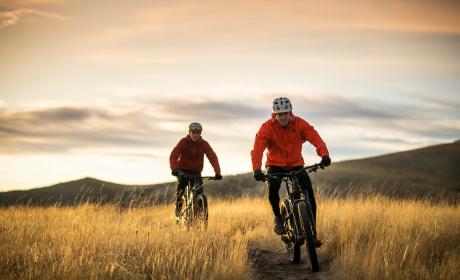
x,y
309,169
189,176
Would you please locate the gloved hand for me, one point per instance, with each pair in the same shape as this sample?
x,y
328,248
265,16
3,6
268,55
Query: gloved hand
x,y
326,161
175,172
259,176
218,177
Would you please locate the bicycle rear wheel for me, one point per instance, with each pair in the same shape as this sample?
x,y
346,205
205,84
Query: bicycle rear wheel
x,y
307,226
293,248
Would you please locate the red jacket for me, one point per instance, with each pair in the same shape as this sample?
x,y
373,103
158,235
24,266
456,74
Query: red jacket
x,y
284,144
189,155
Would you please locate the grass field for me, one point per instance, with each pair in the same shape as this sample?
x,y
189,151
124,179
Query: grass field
x,y
368,238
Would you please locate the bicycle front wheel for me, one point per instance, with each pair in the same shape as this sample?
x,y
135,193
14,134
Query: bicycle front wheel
x,y
293,248
307,226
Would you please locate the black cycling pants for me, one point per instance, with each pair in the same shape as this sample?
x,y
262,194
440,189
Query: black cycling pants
x,y
182,183
275,184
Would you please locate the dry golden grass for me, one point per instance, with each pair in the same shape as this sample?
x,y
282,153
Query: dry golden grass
x,y
93,241
374,238
380,238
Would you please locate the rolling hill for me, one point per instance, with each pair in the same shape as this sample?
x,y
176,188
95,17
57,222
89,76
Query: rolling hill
x,y
430,173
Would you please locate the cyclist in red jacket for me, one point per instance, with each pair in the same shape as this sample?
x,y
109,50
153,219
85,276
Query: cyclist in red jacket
x,y
283,135
188,157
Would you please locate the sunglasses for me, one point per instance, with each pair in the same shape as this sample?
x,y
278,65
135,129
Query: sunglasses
x,y
283,114
195,131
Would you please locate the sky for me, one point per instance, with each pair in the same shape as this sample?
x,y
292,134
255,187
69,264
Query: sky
x,y
106,89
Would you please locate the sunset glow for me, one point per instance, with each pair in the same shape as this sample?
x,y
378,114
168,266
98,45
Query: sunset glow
x,y
104,90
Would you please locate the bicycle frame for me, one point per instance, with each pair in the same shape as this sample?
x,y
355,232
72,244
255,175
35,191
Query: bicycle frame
x,y
295,197
189,194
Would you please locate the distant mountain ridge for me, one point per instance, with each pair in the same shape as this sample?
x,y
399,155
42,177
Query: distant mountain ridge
x,y
430,172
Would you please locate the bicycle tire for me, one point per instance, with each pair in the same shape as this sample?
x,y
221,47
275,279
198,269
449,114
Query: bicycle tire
x,y
205,213
309,238
201,211
293,248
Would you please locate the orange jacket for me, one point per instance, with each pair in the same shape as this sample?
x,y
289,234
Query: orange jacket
x,y
189,155
284,144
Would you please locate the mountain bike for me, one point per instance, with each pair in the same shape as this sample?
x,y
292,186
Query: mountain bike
x,y
194,203
299,222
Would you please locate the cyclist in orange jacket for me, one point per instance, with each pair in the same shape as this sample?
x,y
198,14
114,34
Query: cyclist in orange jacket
x,y
283,135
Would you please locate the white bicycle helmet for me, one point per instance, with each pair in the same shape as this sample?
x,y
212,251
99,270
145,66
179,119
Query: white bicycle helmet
x,y
194,126
282,105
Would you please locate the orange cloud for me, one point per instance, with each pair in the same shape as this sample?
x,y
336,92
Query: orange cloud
x,y
8,18
418,16
11,12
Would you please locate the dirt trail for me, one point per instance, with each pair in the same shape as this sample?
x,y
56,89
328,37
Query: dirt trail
x,y
275,264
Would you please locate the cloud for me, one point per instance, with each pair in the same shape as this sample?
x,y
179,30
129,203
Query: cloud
x,y
433,103
64,114
11,17
446,130
378,124
11,12
70,129
235,109
325,107
132,129
389,140
236,19
316,106
219,31
334,107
